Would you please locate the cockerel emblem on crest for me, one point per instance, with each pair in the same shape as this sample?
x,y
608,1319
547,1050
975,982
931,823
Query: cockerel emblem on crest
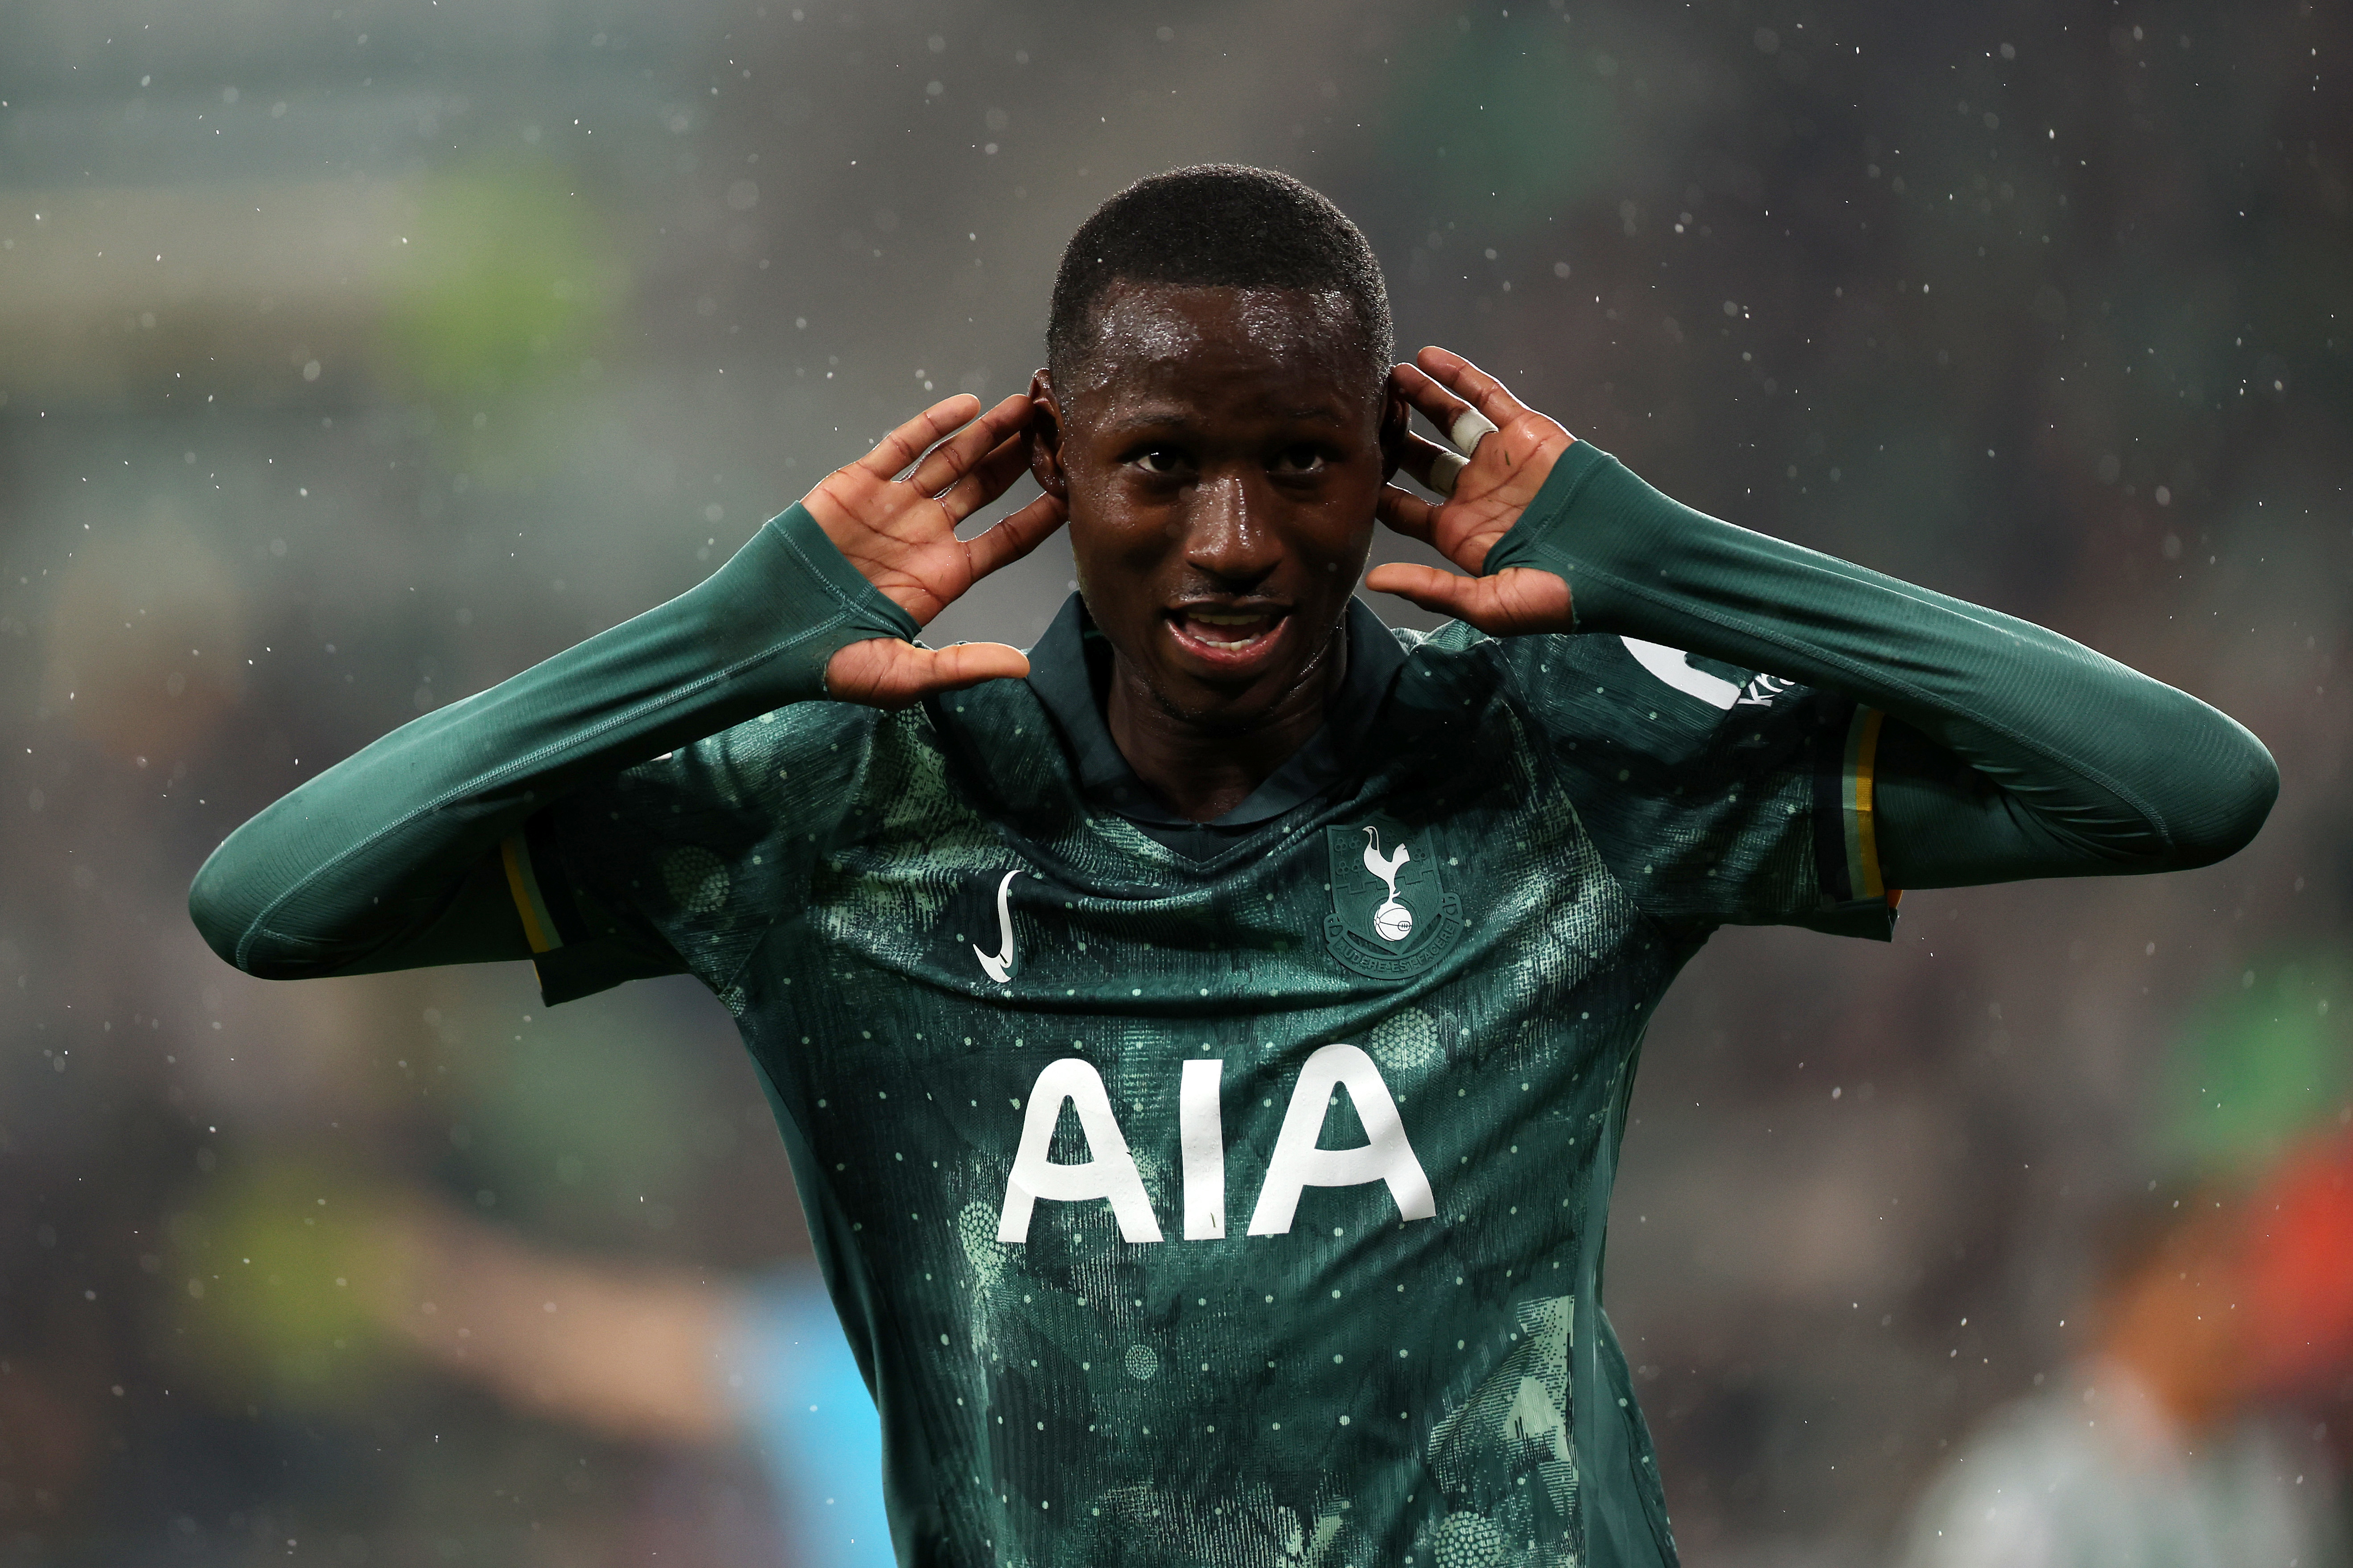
x,y
1392,919
1391,916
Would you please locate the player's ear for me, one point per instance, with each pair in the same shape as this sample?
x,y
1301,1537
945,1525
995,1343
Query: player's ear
x,y
1396,419
1046,438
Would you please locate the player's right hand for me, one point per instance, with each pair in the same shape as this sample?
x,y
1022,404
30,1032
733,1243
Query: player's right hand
x,y
899,530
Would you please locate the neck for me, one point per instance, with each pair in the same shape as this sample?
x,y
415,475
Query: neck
x,y
1203,771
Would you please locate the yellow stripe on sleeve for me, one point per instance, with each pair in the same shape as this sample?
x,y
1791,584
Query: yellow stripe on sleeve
x,y
538,926
1868,883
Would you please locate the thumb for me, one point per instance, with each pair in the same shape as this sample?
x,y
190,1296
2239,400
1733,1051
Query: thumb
x,y
1442,593
1514,602
883,672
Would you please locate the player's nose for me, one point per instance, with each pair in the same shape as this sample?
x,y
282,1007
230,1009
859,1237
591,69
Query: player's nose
x,y
1226,533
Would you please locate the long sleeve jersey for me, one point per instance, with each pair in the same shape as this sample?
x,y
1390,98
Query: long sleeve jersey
x,y
1249,1204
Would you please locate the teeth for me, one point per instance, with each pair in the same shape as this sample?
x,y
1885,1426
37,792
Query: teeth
x,y
1244,628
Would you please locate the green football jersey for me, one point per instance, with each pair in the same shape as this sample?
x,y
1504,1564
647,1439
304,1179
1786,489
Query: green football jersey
x,y
1245,1205
1239,1210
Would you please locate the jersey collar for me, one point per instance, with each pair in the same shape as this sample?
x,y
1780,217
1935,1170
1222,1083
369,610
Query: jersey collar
x,y
1069,671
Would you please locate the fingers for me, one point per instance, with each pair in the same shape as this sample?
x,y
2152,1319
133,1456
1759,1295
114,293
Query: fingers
x,y
1407,513
1424,460
1446,472
883,672
1014,536
1438,468
954,457
1443,592
1524,599
1469,428
990,478
1432,400
1515,602
909,441
1471,385
965,664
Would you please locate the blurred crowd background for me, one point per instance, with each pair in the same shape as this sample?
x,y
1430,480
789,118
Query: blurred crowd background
x,y
352,359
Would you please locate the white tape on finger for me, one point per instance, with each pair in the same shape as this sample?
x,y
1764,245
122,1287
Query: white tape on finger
x,y
1469,425
1444,470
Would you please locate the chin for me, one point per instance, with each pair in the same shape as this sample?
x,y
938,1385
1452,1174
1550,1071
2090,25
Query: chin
x,y
1235,710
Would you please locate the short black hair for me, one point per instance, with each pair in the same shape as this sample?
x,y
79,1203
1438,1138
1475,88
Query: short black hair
x,y
1216,225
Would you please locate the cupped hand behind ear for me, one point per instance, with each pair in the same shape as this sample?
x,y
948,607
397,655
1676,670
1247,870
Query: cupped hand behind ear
x,y
899,531
1506,470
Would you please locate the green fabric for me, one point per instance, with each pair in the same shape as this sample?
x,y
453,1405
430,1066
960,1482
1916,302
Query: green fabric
x,y
1465,939
378,863
2074,764
831,874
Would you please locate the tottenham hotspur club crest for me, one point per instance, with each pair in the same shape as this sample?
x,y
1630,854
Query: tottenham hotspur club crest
x,y
1391,917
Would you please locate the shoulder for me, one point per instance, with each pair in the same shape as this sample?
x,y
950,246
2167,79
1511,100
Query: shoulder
x,y
1657,706
1630,728
708,845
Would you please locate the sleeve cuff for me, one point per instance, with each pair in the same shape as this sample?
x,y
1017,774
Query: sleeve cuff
x,y
813,584
1540,537
1612,538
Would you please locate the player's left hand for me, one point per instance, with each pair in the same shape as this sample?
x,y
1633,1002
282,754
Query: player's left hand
x,y
1507,464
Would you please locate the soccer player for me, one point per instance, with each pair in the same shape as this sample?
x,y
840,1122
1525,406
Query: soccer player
x,y
1203,1045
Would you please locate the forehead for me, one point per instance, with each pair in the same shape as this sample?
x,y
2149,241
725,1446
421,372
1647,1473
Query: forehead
x,y
1191,344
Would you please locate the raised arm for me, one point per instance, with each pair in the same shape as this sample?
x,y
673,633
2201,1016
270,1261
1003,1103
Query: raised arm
x,y
2008,751
392,859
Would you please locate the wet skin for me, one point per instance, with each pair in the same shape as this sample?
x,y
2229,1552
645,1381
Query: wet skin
x,y
1221,456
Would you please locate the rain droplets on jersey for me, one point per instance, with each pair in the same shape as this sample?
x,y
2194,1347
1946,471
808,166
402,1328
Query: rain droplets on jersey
x,y
1239,1211
1241,1204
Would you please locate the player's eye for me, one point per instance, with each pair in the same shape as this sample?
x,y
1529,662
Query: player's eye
x,y
1303,459
1160,460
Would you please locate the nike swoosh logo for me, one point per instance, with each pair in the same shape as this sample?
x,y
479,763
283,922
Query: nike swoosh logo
x,y
1000,966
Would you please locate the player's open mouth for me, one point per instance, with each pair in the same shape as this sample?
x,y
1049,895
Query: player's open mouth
x,y
1231,636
